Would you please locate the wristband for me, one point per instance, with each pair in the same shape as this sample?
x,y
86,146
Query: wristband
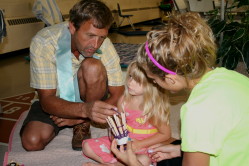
x,y
176,142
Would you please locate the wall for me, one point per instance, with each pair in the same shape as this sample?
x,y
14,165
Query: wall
x,y
142,10
22,25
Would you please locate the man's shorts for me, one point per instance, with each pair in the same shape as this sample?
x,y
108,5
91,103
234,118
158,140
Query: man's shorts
x,y
36,113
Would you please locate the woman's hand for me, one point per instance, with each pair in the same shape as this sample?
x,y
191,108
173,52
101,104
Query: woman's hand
x,y
127,156
135,145
165,152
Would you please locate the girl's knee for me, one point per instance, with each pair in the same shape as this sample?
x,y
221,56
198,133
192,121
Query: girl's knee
x,y
86,149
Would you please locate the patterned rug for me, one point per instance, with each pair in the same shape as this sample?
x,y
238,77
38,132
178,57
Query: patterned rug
x,y
12,108
127,52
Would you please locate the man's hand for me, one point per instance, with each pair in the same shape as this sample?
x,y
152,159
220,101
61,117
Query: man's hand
x,y
60,122
127,156
158,153
98,111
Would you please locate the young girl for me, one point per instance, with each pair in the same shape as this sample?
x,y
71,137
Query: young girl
x,y
147,116
214,120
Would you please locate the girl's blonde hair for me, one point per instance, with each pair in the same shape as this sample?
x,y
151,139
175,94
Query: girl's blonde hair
x,y
186,46
156,102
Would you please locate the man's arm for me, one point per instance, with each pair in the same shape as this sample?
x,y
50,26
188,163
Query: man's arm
x,y
115,92
96,111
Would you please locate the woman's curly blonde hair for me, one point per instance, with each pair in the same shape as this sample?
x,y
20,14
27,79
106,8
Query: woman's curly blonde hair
x,y
186,45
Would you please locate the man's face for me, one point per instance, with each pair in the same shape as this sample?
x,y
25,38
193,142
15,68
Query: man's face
x,y
87,39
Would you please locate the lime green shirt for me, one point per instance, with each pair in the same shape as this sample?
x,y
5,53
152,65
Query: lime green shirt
x,y
215,119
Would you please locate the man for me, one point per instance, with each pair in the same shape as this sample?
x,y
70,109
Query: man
x,y
72,62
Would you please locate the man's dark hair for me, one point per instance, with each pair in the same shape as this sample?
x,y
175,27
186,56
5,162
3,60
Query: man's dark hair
x,y
96,10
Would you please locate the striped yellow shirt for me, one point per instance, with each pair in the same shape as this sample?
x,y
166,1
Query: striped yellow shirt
x,y
43,61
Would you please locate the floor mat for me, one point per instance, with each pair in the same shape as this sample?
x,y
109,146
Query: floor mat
x,y
57,152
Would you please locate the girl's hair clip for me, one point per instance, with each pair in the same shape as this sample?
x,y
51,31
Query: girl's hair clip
x,y
155,62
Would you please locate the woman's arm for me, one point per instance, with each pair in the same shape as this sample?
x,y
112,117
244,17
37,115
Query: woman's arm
x,y
195,158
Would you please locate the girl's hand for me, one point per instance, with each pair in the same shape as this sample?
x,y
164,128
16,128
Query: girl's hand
x,y
156,145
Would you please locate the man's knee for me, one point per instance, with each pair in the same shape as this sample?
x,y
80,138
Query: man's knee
x,y
31,142
35,138
92,70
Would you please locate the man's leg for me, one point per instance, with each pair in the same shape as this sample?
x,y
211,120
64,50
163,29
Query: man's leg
x,y
92,79
38,129
36,135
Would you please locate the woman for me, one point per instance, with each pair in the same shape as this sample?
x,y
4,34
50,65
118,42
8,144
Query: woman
x,y
214,120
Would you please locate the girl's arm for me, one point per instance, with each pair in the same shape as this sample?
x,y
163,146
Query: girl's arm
x,y
164,133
